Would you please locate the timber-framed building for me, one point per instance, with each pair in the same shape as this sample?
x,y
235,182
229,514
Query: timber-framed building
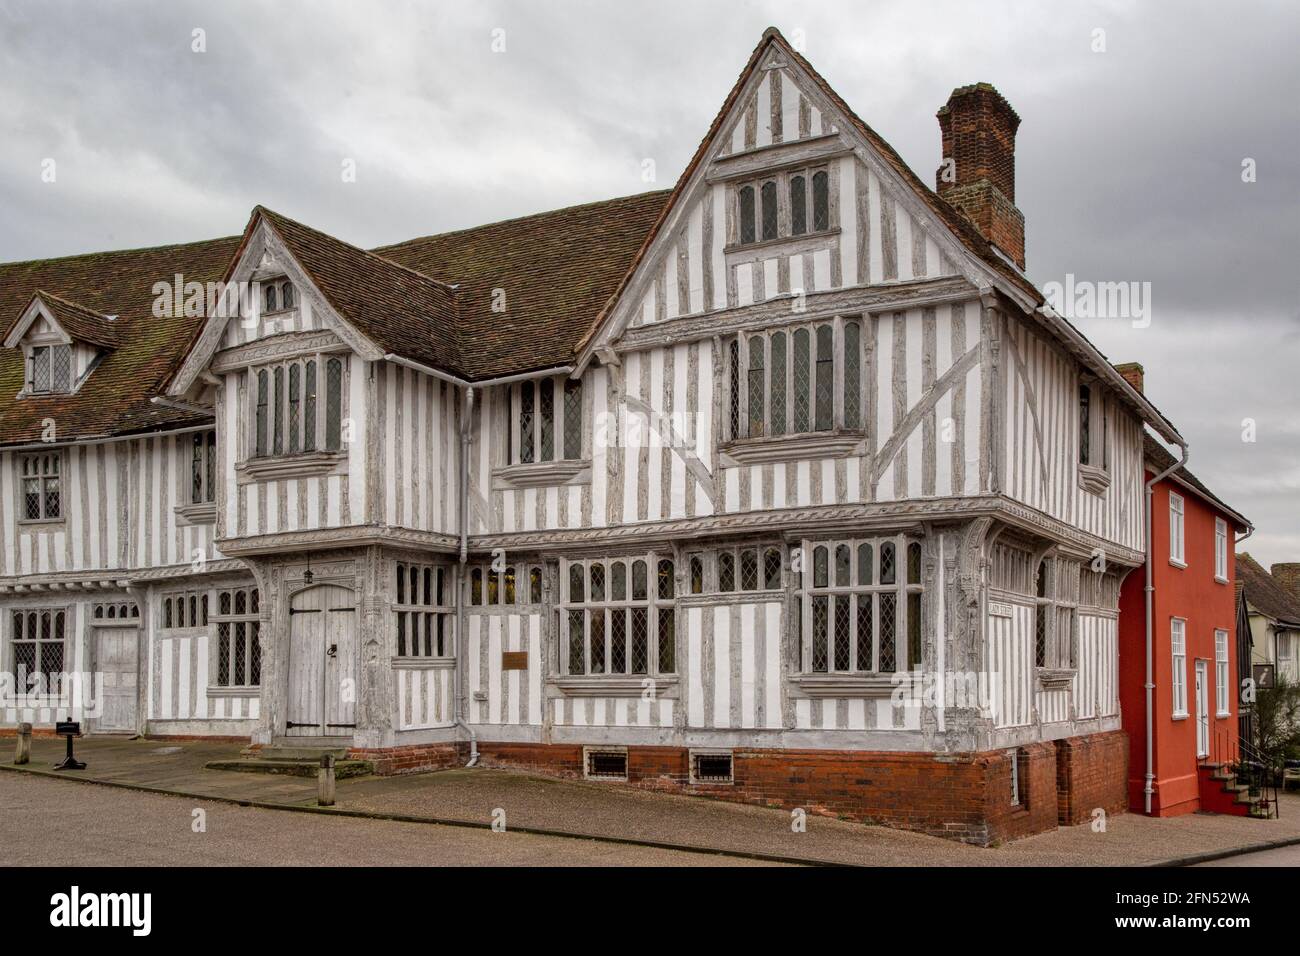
x,y
783,485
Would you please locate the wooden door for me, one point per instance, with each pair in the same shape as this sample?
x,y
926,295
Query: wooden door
x,y
322,663
117,660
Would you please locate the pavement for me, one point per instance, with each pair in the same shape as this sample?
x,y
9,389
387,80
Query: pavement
x,y
120,828
620,815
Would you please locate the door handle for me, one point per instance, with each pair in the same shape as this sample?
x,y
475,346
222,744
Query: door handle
x,y
334,649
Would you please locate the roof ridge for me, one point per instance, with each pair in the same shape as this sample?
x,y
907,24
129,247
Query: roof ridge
x,y
375,255
120,252
516,219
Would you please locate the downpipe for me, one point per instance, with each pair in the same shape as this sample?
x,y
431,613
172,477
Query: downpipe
x,y
461,623
1149,787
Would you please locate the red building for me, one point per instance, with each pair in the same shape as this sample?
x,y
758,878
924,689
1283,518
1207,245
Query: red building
x,y
1194,704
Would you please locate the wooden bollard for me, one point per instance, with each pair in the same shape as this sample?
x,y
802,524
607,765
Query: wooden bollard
x,y
23,751
325,781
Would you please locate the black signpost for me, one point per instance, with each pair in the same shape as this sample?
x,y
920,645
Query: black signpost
x,y
69,729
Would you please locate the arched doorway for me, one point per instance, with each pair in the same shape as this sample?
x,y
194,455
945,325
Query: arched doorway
x,y
322,662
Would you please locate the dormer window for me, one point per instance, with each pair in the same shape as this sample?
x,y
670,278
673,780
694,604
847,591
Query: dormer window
x,y
49,369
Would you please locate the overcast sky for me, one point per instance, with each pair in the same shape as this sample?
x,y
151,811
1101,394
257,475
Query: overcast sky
x,y
1129,161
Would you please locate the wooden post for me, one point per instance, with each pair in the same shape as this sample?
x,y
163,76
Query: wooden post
x,y
325,781
23,751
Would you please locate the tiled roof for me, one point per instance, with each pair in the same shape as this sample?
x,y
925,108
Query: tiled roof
x,y
395,307
1263,593
557,271
81,323
1160,458
115,399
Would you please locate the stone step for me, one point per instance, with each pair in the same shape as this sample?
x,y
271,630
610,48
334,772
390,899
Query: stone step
x,y
291,752
294,768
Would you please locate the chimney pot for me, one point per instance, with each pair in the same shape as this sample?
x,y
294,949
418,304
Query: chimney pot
x,y
978,175
1134,374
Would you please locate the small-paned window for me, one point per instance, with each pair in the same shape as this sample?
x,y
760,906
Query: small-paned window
x,y
758,214
509,586
239,643
42,486
769,382
49,369
619,624
545,421
747,233
286,417
38,642
423,610
203,467
1054,618
859,614
182,609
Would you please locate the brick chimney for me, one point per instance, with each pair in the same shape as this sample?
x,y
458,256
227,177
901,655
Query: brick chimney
x,y
1133,373
979,137
1287,575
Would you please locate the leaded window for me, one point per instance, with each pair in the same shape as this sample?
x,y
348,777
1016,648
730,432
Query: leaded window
x,y
286,420
618,616
860,606
278,296
545,421
1054,616
756,568
505,586
760,218
203,467
182,609
775,390
50,369
38,642
238,634
423,609
42,486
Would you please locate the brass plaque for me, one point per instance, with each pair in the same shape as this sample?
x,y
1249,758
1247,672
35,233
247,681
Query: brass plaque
x,y
514,660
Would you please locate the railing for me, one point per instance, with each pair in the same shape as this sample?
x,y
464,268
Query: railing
x,y
1249,766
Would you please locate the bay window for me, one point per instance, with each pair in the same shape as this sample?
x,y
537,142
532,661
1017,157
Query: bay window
x,y
286,399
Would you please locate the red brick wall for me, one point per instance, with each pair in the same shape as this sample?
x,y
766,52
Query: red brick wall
x,y
414,759
965,797
1091,772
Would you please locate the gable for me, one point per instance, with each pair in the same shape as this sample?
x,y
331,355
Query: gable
x,y
777,125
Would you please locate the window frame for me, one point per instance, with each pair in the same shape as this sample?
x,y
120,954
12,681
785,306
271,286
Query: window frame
x,y
1220,550
1178,661
433,620
263,442
749,198
1177,530
655,605
51,387
48,467
565,432
244,627
204,460
711,564
31,617
1222,697
908,600
750,368
1058,620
